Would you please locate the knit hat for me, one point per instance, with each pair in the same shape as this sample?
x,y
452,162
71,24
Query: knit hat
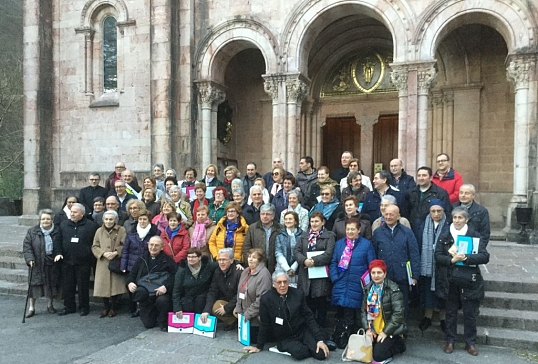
x,y
437,202
378,263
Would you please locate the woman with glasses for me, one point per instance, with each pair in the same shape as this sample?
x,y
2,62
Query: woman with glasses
x,y
230,232
329,206
217,207
133,209
278,178
354,166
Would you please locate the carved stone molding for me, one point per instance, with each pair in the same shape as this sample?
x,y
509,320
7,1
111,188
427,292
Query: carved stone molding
x,y
210,94
296,90
519,70
270,85
426,79
398,77
448,98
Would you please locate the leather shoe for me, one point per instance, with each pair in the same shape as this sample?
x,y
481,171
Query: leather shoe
x,y
136,313
51,309
84,312
331,345
112,313
65,312
449,348
471,349
103,313
425,323
31,313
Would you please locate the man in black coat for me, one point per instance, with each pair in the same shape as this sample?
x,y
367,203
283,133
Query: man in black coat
x,y
74,248
111,203
222,295
400,179
252,174
285,316
479,215
343,171
87,195
154,306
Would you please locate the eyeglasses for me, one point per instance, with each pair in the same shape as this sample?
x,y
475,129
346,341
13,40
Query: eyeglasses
x,y
282,283
192,256
442,160
325,194
276,173
233,211
119,167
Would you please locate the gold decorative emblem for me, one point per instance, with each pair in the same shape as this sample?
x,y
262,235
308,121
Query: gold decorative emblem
x,y
368,71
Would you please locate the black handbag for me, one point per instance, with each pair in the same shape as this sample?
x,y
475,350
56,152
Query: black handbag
x,y
114,265
465,276
152,281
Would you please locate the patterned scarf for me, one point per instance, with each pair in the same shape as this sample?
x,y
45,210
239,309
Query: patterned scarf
x,y
429,239
313,237
345,259
199,234
231,227
48,239
373,304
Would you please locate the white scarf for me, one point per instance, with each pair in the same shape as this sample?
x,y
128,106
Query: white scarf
x,y
142,232
67,212
455,232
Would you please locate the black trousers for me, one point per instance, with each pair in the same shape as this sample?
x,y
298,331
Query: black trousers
x,y
470,313
74,276
404,287
194,304
303,345
388,348
319,307
155,310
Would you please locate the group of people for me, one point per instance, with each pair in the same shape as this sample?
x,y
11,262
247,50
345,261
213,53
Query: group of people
x,y
277,251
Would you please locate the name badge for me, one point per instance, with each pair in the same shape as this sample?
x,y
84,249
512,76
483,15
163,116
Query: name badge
x,y
241,296
74,240
279,321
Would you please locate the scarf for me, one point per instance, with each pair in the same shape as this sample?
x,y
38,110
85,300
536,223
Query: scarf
x,y
231,227
195,271
429,239
345,259
326,209
208,180
455,233
313,237
48,239
142,232
373,304
171,233
67,212
199,234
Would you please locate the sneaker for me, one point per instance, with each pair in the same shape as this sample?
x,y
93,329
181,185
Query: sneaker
x,y
274,349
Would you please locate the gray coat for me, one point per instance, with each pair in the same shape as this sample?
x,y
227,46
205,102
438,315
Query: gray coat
x,y
33,249
319,287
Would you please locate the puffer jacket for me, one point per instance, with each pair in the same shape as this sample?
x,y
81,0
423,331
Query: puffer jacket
x,y
319,287
392,308
216,241
339,227
444,266
134,248
186,286
177,246
372,201
451,183
347,288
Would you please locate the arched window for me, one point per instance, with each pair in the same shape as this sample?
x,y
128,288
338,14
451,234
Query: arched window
x,y
110,55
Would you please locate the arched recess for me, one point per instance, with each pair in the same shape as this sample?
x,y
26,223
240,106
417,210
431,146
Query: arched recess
x,y
310,18
92,5
229,38
511,19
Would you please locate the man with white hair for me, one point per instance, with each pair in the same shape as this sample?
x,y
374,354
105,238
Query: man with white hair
x,y
74,249
479,215
251,212
343,171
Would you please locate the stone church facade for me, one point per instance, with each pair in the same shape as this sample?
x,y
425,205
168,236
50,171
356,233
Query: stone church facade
x,y
196,82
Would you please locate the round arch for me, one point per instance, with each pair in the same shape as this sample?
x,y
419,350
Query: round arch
x,y
92,5
229,38
299,32
514,22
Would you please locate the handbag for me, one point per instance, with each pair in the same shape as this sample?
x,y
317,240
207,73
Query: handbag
x,y
465,276
152,281
359,348
114,265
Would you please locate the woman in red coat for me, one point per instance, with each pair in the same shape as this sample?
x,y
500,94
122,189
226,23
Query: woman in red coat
x,y
176,240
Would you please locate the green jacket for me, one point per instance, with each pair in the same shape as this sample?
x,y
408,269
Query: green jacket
x,y
392,308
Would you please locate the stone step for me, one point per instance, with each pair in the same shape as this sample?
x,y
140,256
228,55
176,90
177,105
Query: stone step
x,y
508,319
509,338
511,301
8,251
12,263
11,288
14,275
499,284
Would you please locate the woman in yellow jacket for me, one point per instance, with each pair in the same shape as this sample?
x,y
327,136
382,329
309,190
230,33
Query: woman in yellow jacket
x,y
230,232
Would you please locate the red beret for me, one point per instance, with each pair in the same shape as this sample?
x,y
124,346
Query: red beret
x,y
378,263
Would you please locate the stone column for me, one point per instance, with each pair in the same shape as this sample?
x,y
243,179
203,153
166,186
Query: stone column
x,y
38,106
519,72
448,123
426,75
296,91
272,87
88,58
437,125
210,97
398,77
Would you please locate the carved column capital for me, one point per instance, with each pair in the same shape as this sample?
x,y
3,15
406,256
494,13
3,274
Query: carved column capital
x,y
519,70
210,94
398,77
426,79
448,98
296,90
270,86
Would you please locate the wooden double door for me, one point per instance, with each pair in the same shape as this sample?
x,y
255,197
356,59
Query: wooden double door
x,y
340,134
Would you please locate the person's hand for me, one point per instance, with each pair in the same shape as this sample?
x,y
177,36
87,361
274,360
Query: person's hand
x,y
291,272
203,317
309,262
124,271
381,337
179,315
31,263
132,287
160,291
458,258
251,349
321,345
220,311
239,267
414,281
370,334
58,257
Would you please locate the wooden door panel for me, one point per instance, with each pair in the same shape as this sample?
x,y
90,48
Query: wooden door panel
x,y
385,140
339,134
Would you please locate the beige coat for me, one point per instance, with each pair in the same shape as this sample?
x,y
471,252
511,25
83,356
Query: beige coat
x,y
108,284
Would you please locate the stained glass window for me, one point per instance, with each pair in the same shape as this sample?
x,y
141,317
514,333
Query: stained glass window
x,y
110,55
